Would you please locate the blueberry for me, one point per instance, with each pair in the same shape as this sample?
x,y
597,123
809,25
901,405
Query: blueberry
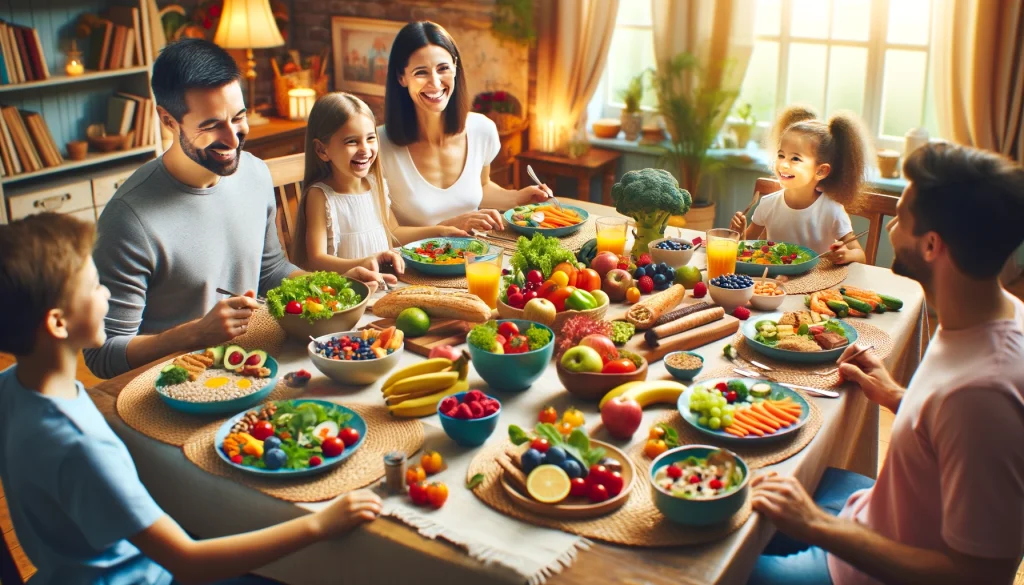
x,y
554,456
572,468
639,273
531,459
271,442
274,458
659,279
662,268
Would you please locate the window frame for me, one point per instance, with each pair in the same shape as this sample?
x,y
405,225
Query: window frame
x,y
607,105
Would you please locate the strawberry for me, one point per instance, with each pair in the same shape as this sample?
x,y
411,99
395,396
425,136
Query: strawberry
x,y
473,396
645,284
699,290
697,240
448,404
741,313
476,409
644,259
463,411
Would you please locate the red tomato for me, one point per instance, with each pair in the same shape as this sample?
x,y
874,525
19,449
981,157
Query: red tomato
x,y
534,276
293,308
332,447
508,329
597,492
597,474
540,444
619,366
529,296
237,459
261,430
578,487
513,289
588,279
558,297
613,483
548,415
349,436
315,460
547,289
418,493
437,494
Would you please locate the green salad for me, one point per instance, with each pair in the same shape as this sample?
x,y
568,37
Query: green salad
x,y
442,251
313,296
294,435
767,252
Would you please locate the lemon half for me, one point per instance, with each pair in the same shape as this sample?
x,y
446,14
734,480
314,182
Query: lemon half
x,y
548,484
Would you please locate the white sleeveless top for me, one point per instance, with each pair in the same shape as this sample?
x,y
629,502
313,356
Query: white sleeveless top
x,y
354,225
414,201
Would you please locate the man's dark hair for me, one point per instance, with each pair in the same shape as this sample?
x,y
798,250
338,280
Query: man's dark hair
x,y
190,64
400,120
973,199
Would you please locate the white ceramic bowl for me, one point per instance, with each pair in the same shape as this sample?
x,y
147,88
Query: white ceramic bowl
x,y
674,258
765,302
730,298
356,373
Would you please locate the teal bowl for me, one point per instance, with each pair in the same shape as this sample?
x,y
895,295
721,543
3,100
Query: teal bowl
x,y
797,357
512,372
682,373
705,512
225,406
551,232
751,269
469,432
444,269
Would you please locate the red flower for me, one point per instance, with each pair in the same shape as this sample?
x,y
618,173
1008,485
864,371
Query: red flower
x,y
500,96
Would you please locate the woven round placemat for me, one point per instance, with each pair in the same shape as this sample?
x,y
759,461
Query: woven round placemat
x,y
804,374
637,523
412,277
384,434
263,332
508,237
140,408
824,275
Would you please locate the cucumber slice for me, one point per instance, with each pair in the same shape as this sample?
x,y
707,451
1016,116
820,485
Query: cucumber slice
x,y
761,390
168,368
763,324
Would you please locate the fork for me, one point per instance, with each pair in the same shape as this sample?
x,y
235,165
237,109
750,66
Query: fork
x,y
836,369
812,390
533,175
260,300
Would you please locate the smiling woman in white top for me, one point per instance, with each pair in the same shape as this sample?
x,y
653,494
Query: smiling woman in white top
x,y
437,155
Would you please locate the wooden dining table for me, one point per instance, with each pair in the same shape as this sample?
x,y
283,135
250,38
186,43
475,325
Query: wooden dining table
x,y
388,551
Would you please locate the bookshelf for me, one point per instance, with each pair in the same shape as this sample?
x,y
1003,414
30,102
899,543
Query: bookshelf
x,y
69,104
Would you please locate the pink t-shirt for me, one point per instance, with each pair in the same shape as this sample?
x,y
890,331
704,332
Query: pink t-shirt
x,y
954,475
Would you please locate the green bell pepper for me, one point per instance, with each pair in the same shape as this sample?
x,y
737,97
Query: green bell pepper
x,y
580,300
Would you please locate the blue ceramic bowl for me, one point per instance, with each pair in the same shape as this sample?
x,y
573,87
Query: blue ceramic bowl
x,y
681,373
225,406
512,372
355,422
751,269
555,232
468,432
796,357
703,512
444,269
683,405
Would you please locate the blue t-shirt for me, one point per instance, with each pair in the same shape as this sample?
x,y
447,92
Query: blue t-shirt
x,y
73,491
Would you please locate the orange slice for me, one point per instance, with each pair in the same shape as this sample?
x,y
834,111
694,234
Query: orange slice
x,y
548,484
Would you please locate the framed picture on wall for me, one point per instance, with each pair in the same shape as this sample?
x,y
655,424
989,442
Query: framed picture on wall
x,y
361,47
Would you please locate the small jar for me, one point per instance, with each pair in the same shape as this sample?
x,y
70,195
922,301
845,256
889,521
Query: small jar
x,y
394,472
74,65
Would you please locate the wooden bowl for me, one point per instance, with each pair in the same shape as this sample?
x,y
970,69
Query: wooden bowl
x,y
606,128
507,312
594,385
578,508
108,143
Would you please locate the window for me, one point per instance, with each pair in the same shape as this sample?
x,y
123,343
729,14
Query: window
x,y
869,56
631,51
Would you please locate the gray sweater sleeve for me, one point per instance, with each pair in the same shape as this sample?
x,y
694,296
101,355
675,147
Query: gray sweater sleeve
x,y
125,260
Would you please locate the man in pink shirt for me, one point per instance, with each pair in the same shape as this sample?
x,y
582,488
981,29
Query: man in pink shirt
x,y
948,505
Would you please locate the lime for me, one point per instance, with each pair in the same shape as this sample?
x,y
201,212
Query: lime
x,y
413,322
688,276
548,484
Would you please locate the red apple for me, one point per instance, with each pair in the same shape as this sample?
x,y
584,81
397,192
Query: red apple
x,y
445,351
604,262
616,283
604,346
622,416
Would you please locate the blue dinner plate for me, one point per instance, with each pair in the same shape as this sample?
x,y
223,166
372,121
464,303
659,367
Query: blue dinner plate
x,y
225,406
774,270
355,422
796,357
552,232
691,417
459,269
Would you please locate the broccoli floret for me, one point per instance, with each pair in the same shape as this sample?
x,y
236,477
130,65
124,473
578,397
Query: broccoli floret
x,y
172,376
650,196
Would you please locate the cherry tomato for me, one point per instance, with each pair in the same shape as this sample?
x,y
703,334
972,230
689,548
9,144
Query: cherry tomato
x,y
632,295
437,494
508,329
731,396
332,446
613,483
418,493
656,432
573,417
529,296
548,415
293,308
565,428
655,447
237,459
349,436
513,289
415,475
261,430
597,492
540,444
619,366
578,487
534,276
597,474
315,460
432,462
560,278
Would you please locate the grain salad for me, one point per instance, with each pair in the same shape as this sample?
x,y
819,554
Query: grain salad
x,y
684,361
214,385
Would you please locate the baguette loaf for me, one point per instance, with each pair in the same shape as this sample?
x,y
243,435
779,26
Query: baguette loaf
x,y
433,301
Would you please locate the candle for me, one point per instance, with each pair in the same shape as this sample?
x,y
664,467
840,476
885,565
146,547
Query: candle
x,y
300,102
74,65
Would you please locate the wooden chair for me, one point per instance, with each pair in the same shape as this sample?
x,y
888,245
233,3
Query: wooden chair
x,y
286,173
15,568
875,207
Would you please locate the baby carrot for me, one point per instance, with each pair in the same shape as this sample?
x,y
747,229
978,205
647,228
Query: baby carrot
x,y
746,418
779,414
737,432
774,424
755,431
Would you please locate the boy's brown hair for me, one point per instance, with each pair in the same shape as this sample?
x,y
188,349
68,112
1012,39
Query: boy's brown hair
x,y
41,255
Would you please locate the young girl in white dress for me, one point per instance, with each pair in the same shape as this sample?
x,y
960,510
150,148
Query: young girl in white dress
x,y
344,216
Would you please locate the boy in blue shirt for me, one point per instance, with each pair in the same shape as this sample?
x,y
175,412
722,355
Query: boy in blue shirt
x,y
79,510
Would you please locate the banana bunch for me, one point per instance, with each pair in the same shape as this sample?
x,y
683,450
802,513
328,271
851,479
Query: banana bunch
x,y
415,391
647,392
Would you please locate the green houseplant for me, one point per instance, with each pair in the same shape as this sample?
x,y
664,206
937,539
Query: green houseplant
x,y
632,119
743,128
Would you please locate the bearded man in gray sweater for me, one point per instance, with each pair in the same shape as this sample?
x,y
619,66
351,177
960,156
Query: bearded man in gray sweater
x,y
199,217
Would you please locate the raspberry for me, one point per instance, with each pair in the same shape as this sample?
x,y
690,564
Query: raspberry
x,y
463,411
473,396
765,249
699,290
771,243
643,260
449,403
476,409
741,313
697,240
451,412
645,284
490,408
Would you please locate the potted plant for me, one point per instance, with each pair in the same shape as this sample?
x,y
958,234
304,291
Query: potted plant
x,y
632,120
692,110
745,126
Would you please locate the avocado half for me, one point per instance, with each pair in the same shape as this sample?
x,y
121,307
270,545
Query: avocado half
x,y
255,358
234,357
218,355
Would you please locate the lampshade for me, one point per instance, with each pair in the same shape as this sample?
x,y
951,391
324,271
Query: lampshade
x,y
247,24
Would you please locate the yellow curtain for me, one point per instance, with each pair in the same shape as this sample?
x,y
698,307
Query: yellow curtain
x,y
573,37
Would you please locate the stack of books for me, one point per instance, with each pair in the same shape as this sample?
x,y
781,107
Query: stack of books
x,y
127,112
22,57
26,144
116,42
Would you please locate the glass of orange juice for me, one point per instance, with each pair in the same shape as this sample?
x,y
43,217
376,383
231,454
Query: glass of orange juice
x,y
483,273
611,234
722,245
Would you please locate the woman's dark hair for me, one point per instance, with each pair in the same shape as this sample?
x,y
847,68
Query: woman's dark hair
x,y
973,199
841,143
190,64
400,121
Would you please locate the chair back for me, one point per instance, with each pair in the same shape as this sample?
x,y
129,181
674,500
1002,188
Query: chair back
x,y
875,207
286,173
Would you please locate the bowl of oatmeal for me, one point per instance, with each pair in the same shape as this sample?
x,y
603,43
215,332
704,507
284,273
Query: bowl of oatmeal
x,y
689,489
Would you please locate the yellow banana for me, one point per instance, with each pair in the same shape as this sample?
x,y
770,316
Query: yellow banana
x,y
394,399
462,365
656,392
425,367
426,405
617,391
431,382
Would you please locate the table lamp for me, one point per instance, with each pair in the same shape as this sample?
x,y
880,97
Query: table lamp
x,y
248,24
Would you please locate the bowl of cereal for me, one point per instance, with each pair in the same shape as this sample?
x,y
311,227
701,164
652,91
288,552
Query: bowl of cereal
x,y
684,365
219,380
768,294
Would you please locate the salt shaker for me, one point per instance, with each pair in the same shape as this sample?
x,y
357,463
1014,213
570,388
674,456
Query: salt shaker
x,y
394,472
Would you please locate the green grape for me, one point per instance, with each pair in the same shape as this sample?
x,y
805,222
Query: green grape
x,y
715,411
722,401
727,420
728,409
714,423
703,421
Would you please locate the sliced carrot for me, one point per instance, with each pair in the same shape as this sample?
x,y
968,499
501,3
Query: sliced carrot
x,y
761,410
733,431
774,424
793,410
750,421
752,430
780,414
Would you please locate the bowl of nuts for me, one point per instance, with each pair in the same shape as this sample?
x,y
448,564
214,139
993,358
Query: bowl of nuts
x,y
768,294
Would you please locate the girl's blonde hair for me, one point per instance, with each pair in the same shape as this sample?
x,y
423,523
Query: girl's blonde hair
x,y
329,114
841,143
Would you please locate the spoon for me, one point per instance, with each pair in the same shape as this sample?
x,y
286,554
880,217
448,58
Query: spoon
x,y
725,459
533,175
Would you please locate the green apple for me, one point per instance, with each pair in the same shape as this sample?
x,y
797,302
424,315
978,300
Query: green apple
x,y
688,276
582,359
601,296
540,311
